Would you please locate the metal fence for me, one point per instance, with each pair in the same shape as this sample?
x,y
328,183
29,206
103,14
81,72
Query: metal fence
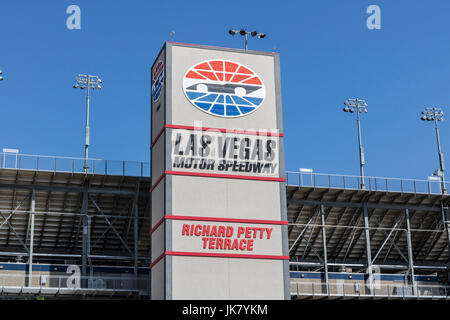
x,y
357,290
371,183
142,169
69,284
74,165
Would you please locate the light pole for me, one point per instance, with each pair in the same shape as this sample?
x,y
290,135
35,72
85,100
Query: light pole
x,y
361,107
87,82
244,33
436,114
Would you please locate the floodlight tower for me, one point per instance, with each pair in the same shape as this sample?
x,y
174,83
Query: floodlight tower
x,y
361,107
436,114
87,82
244,32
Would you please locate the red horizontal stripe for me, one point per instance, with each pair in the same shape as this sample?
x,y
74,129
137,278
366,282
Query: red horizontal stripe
x,y
158,181
226,255
257,133
255,221
157,225
228,176
157,260
157,137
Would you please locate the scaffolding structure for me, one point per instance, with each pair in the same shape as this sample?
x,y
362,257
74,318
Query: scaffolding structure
x,y
370,231
74,218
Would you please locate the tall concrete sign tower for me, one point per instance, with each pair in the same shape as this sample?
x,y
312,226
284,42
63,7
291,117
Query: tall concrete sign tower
x,y
218,215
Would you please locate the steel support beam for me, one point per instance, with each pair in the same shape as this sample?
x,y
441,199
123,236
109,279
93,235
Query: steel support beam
x,y
353,234
30,259
396,236
313,241
354,220
338,221
392,241
435,225
410,252
85,240
297,241
12,212
446,220
110,226
324,244
368,249
384,215
15,233
136,278
386,240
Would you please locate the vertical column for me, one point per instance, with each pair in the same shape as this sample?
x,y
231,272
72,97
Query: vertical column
x,y
30,260
324,243
158,184
136,280
446,220
410,254
84,252
368,249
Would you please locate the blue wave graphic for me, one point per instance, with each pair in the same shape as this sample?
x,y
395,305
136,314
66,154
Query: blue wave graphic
x,y
222,104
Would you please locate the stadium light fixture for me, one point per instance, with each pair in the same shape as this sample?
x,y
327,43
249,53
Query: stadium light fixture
x,y
360,106
1,72
244,32
90,82
436,115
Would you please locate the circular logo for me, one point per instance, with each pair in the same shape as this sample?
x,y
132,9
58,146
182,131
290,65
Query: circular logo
x,y
224,88
157,80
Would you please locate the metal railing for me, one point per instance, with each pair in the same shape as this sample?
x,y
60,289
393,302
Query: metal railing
x,y
142,169
371,183
357,290
69,284
74,165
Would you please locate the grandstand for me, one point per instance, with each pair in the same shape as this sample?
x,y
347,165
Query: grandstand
x,y
65,233
69,234
390,240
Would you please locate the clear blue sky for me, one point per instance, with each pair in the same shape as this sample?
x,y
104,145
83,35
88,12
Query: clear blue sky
x,y
327,55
